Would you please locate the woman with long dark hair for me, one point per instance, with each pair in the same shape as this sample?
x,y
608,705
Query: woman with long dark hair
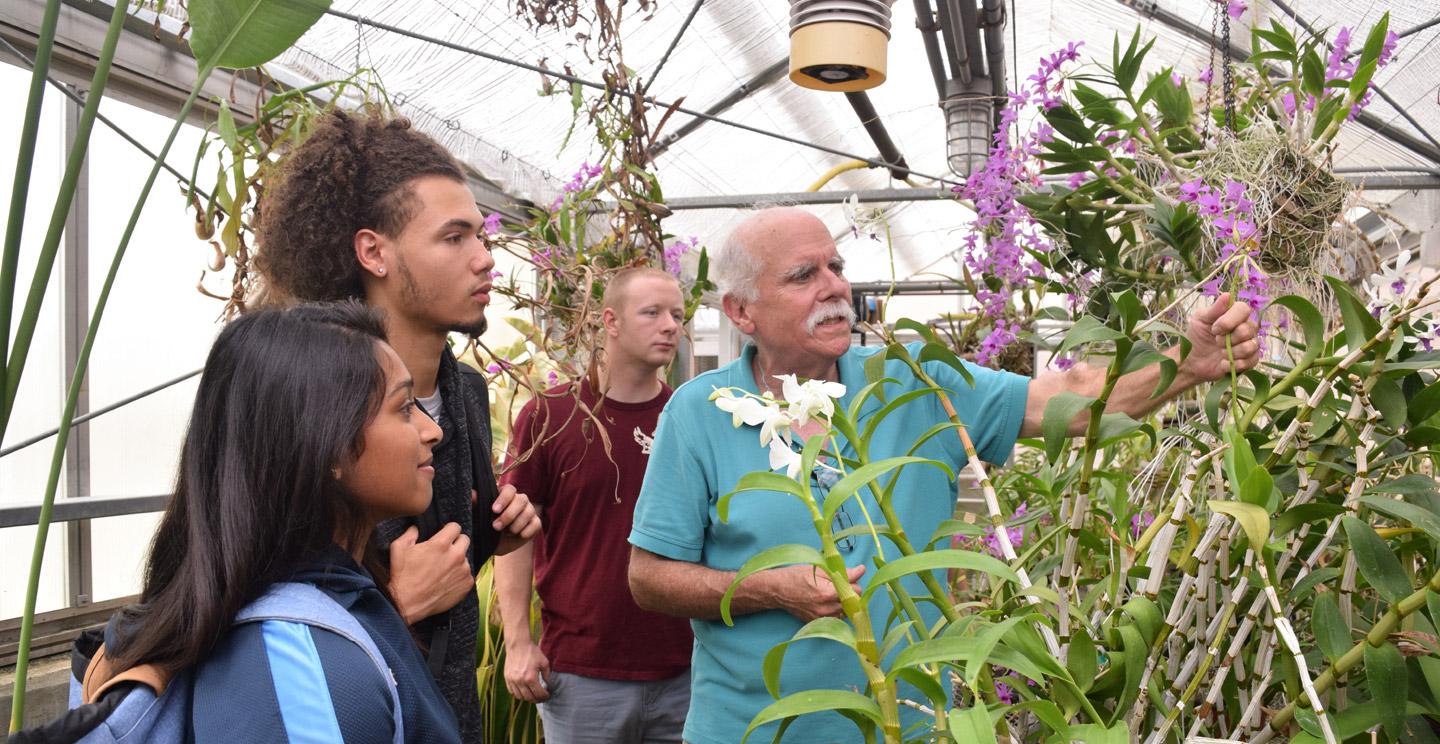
x,y
304,434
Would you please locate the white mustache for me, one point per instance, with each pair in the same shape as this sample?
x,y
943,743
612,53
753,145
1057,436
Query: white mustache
x,y
829,311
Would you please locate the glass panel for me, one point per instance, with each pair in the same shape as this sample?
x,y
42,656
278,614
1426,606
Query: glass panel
x,y
38,403
157,326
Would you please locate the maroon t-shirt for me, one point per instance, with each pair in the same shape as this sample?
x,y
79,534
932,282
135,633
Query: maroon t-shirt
x,y
590,624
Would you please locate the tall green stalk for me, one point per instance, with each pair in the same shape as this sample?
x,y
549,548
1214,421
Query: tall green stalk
x,y
74,163
26,333
20,191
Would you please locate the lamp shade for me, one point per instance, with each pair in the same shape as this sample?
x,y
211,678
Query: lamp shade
x,y
838,45
969,127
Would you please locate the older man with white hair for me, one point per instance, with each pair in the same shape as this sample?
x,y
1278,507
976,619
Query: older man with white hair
x,y
784,286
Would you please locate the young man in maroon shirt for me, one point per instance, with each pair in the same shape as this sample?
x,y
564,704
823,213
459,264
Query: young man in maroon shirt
x,y
605,670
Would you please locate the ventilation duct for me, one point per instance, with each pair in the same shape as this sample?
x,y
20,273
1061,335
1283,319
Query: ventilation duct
x,y
838,45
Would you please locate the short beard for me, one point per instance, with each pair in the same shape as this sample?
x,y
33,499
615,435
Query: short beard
x,y
829,310
410,291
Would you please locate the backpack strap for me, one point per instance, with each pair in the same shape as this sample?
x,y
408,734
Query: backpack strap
x,y
304,603
100,676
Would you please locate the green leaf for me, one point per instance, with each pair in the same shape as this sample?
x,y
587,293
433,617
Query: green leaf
x,y
1049,714
1146,615
1389,684
1332,635
1389,401
1295,516
226,125
1369,57
780,555
1413,484
925,332
1116,426
1175,106
1083,662
1257,489
1416,515
1068,123
956,650
1096,106
877,418
1312,324
248,33
926,684
1060,411
937,352
1424,404
763,482
859,477
1094,733
1239,458
875,370
1088,329
1376,562
1360,325
830,628
935,560
1253,519
1135,651
973,724
1311,580
1312,73
986,640
853,705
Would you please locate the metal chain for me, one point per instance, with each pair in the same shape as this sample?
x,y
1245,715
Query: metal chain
x,y
1209,81
1229,89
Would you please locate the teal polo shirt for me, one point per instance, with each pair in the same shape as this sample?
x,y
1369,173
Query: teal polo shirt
x,y
698,456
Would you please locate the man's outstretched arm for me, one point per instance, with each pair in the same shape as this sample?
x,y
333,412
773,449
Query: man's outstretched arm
x,y
1208,360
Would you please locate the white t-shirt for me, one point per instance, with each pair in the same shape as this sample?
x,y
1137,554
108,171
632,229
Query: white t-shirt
x,y
433,405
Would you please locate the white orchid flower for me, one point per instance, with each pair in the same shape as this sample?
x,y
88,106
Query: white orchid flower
x,y
782,456
764,412
866,221
1391,286
743,409
810,397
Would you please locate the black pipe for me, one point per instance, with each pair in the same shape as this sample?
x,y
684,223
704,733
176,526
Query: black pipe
x,y
952,44
994,20
925,21
970,26
889,153
763,78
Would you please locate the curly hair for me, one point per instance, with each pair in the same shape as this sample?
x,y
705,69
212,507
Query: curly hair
x,y
353,172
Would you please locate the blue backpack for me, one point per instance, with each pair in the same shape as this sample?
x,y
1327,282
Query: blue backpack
x,y
128,709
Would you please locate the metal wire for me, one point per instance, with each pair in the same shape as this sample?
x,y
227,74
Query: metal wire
x,y
674,42
98,412
598,86
76,97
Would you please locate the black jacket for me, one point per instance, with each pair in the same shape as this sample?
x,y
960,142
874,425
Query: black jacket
x,y
462,463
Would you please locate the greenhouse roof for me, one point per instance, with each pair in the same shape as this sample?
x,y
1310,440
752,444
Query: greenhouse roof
x,y
491,113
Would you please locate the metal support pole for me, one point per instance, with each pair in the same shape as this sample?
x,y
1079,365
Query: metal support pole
x,y
925,22
763,78
1375,181
870,118
75,315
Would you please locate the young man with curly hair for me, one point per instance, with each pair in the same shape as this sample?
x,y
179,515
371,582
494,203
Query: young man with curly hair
x,y
372,209
605,670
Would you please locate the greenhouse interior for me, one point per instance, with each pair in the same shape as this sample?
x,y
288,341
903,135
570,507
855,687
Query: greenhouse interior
x,y
1060,371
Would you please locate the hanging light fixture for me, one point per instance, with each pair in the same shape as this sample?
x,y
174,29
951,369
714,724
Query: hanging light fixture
x,y
838,45
969,125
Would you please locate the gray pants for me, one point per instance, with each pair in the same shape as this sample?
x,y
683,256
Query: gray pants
x,y
588,710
